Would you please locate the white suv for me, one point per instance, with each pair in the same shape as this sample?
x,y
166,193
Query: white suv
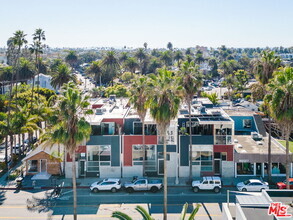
x,y
106,185
207,183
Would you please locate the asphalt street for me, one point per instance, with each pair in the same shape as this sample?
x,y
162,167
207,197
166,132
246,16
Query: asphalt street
x,y
40,204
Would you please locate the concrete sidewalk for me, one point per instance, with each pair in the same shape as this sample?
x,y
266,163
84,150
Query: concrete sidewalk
x,y
86,182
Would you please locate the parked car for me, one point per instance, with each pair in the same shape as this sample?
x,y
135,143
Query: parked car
x,y
106,185
212,183
252,185
282,185
143,184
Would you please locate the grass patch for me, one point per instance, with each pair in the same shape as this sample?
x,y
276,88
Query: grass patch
x,y
290,144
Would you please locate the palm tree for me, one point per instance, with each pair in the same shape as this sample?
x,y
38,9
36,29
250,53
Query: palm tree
x,y
155,63
122,216
141,56
96,70
191,81
72,128
71,58
164,104
170,46
280,100
63,75
131,64
26,69
199,57
178,57
192,214
264,67
110,64
166,57
145,45
229,82
123,57
4,133
139,96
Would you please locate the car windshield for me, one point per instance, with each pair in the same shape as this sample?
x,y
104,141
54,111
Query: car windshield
x,y
246,182
99,182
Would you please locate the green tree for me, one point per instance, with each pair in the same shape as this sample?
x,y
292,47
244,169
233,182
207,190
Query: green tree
x,y
199,57
118,90
96,70
110,64
164,105
190,81
139,94
280,101
144,213
141,55
26,70
71,58
229,82
192,214
241,78
63,75
170,46
54,64
264,67
72,128
155,63
131,64
166,57
178,56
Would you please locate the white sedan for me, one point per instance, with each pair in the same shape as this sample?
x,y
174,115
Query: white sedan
x,y
252,185
106,185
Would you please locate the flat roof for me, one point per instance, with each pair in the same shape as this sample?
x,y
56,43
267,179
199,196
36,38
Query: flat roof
x,y
239,111
256,213
248,145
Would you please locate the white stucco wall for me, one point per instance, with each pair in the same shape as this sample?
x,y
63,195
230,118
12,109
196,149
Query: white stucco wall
x,y
132,171
68,168
106,172
227,169
171,165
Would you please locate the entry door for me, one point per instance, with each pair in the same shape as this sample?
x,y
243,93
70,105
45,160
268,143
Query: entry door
x,y
43,165
82,168
161,166
217,166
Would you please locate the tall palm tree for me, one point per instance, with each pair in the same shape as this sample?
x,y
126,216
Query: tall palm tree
x,y
264,67
155,63
123,57
72,128
166,57
141,56
139,96
63,75
131,64
26,70
170,46
96,69
191,82
229,82
71,58
280,100
37,49
178,56
4,133
164,105
110,64
145,45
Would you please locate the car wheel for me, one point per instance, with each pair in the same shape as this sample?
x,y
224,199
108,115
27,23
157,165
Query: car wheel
x,y
130,190
216,189
244,190
95,190
154,189
262,189
195,189
113,190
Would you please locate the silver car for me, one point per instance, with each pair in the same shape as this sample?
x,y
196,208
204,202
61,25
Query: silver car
x,y
252,185
106,185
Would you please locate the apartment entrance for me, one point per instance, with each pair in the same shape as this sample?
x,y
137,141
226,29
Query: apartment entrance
x,y
217,163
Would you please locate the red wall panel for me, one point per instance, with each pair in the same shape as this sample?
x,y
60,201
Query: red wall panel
x,y
130,140
118,121
225,148
80,149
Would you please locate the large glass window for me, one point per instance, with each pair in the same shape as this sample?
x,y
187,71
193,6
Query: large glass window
x,y
247,123
99,155
149,129
197,129
245,168
277,168
138,155
33,166
223,134
203,156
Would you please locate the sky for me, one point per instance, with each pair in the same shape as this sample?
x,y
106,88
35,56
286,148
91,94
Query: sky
x,y
130,23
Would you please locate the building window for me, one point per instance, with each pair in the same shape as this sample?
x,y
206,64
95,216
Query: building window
x,y
33,166
223,134
138,155
277,168
97,156
197,129
224,156
245,169
247,123
203,157
137,128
